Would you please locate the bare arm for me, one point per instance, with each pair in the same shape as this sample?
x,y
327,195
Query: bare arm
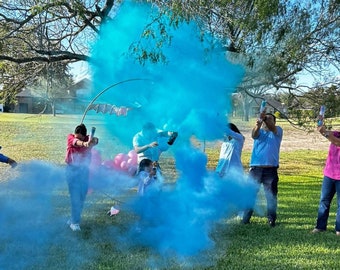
x,y
256,130
329,135
140,149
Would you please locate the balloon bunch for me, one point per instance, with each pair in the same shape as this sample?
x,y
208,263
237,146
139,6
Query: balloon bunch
x,y
124,162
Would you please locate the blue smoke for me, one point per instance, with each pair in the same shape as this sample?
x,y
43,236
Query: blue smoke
x,y
34,209
190,93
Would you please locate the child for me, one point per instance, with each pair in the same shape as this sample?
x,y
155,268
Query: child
x,y
147,175
230,154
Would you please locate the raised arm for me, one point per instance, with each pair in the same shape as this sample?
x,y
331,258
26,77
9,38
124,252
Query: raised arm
x,y
329,135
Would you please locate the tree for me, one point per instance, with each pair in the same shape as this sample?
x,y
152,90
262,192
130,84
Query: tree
x,y
275,40
69,25
36,34
51,85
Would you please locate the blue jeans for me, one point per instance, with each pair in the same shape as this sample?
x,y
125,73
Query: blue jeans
x,y
328,189
78,182
269,178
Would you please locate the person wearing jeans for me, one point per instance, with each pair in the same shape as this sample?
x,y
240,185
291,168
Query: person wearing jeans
x,y
264,163
78,159
268,177
330,183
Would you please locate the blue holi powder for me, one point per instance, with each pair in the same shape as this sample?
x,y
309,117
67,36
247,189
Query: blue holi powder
x,y
190,93
27,207
178,221
34,209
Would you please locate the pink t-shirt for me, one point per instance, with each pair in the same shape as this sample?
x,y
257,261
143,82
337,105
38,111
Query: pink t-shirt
x,y
332,168
77,155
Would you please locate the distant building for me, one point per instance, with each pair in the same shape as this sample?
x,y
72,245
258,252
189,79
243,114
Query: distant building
x,y
74,100
272,106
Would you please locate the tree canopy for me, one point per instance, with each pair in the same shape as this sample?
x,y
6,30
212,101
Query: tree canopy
x,y
276,40
36,34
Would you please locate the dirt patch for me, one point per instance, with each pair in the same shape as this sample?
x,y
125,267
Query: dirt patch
x,y
293,139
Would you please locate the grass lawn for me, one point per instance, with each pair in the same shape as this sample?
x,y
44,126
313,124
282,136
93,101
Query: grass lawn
x,y
34,234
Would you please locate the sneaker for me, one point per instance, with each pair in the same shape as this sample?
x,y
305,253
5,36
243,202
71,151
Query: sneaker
x,y
271,223
337,233
316,230
75,227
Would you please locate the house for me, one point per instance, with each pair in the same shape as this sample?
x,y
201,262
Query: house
x,y
73,100
27,102
272,106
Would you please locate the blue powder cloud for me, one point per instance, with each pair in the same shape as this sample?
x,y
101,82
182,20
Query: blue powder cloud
x,y
189,93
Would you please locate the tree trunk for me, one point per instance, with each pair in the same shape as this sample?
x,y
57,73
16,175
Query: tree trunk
x,y
53,108
245,110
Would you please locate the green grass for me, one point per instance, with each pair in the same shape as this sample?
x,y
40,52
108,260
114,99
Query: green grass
x,y
289,245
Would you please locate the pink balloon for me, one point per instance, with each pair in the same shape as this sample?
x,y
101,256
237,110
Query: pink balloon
x,y
125,157
123,165
118,158
132,162
132,154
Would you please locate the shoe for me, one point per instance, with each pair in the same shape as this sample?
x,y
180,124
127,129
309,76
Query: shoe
x,y
112,212
337,233
316,230
271,223
75,227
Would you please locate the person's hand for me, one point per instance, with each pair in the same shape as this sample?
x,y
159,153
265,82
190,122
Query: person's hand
x,y
262,115
94,141
259,122
12,162
321,129
153,144
153,172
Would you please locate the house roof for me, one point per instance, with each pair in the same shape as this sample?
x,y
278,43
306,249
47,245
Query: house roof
x,y
84,83
25,93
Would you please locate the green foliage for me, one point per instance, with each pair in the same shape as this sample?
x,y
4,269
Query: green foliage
x,y
328,96
154,37
36,10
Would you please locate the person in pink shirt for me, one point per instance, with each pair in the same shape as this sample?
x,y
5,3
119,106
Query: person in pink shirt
x,y
78,159
331,182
